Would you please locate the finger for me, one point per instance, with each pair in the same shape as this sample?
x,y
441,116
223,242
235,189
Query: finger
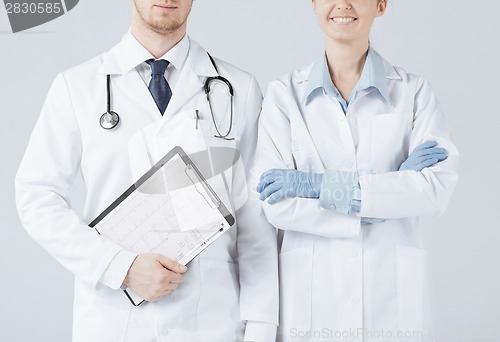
x,y
276,197
428,162
438,156
171,265
268,173
269,190
264,183
430,151
427,144
260,186
171,286
435,158
174,277
267,178
442,157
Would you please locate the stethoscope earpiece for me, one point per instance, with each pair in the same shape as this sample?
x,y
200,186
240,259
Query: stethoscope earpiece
x,y
224,80
109,120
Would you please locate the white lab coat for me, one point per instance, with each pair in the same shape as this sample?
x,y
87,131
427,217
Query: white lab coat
x,y
231,282
337,276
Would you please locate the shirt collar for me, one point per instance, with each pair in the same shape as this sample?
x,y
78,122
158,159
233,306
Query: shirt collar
x,y
373,75
178,54
130,53
315,80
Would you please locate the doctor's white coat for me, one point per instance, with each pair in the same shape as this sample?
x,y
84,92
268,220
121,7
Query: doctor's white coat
x,y
340,280
233,281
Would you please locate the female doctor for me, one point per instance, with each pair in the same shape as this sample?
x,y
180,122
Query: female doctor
x,y
228,292
354,151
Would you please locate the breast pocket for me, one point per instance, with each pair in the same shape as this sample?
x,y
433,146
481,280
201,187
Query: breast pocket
x,y
411,285
225,172
295,291
390,138
305,156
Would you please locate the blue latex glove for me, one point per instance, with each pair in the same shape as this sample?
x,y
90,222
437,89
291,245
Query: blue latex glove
x,y
278,184
371,220
423,156
356,207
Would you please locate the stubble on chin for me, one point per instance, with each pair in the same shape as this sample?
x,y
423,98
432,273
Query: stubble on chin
x,y
164,28
160,25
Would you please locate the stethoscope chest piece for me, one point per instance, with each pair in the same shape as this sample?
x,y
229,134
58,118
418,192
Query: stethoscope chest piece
x,y
109,120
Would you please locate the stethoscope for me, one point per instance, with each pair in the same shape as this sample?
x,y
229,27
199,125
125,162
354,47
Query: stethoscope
x,y
110,119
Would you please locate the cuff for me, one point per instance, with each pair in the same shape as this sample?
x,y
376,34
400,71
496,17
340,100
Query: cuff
x,y
338,189
260,332
117,270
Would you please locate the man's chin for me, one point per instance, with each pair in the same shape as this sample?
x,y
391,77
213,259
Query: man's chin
x,y
165,28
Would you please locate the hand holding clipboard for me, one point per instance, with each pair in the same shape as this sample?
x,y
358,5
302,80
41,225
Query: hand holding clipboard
x,y
170,210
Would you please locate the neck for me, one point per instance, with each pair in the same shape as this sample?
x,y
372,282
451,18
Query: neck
x,y
346,59
158,44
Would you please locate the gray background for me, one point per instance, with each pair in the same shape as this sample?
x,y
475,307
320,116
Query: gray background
x,y
452,43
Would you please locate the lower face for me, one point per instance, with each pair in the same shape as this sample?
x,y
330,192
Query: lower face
x,y
341,24
163,16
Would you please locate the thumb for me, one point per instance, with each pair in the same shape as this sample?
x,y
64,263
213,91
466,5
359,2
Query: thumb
x,y
170,264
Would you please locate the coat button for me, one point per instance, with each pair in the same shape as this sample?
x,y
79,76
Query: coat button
x,y
164,331
353,253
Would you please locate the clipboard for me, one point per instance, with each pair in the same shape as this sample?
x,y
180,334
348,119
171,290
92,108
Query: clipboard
x,y
171,209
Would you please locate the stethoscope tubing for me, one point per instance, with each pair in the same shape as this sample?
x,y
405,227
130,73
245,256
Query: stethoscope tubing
x,y
110,119
206,87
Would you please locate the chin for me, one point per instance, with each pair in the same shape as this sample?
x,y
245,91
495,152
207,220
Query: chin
x,y
164,26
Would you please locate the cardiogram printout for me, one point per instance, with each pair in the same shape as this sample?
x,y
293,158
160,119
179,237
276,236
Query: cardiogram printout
x,y
171,210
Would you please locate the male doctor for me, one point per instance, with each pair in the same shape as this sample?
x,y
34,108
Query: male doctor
x,y
229,292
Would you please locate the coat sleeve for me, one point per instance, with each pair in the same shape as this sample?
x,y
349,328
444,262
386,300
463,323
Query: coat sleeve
x,y
274,151
257,246
43,181
403,194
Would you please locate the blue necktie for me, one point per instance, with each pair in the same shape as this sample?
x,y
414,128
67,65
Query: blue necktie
x,y
158,86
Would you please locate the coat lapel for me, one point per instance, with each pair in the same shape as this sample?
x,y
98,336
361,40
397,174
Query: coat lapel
x,y
120,62
196,69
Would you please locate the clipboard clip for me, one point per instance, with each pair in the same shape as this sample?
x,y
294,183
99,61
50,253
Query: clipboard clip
x,y
207,193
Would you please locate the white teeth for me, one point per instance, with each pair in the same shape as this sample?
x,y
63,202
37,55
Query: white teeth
x,y
343,19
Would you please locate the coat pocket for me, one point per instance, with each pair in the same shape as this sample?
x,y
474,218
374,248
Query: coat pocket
x,y
218,309
390,137
411,277
305,156
295,290
100,315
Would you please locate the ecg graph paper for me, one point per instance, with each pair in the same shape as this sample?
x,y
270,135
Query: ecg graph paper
x,y
169,214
